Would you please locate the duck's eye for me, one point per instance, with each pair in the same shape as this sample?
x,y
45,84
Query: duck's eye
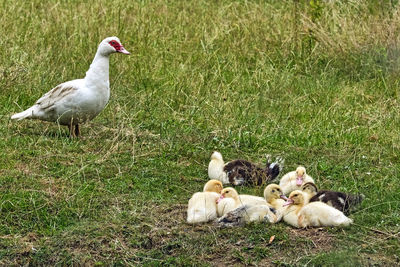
x,y
273,191
227,192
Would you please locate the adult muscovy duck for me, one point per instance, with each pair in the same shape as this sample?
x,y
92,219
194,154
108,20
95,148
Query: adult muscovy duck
x,y
77,101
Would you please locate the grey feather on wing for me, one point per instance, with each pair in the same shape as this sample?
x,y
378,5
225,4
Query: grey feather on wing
x,y
48,100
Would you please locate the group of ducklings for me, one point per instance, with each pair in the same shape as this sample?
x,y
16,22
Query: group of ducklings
x,y
305,206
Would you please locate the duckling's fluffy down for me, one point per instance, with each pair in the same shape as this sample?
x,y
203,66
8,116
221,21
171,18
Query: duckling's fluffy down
x,y
202,207
246,214
299,214
216,168
320,214
228,204
288,182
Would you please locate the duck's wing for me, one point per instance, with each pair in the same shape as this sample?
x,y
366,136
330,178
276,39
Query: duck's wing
x,y
233,218
57,95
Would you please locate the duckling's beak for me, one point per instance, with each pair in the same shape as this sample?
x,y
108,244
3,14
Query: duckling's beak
x,y
299,180
283,197
220,198
288,202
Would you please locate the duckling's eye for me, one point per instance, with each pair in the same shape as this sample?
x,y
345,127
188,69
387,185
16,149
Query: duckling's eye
x,y
273,191
227,192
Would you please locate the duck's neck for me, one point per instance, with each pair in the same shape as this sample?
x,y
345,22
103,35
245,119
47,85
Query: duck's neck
x,y
298,207
237,200
98,73
310,194
272,201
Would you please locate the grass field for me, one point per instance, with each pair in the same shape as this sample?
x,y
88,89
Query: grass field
x,y
316,82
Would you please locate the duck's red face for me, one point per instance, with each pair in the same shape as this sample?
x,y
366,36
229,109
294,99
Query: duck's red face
x,y
118,47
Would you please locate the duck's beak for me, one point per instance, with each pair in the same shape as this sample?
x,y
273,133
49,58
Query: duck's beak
x,y
122,50
220,198
283,197
288,202
299,180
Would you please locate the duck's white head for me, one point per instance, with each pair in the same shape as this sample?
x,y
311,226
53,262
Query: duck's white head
x,y
213,186
111,45
295,198
300,172
309,188
228,192
273,191
216,156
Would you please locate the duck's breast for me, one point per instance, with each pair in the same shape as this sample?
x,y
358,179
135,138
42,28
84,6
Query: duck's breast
x,y
226,205
85,104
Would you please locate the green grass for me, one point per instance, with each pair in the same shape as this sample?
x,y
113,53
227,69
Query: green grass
x,y
314,83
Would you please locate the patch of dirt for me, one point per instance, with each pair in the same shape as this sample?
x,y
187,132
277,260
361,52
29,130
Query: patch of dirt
x,y
21,246
171,224
319,237
26,169
302,242
380,260
52,188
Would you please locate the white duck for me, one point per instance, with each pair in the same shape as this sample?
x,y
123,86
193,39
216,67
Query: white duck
x,y
202,206
216,168
294,180
230,200
299,214
77,101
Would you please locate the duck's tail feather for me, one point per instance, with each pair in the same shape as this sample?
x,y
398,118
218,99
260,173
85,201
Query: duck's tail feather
x,y
355,200
274,168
